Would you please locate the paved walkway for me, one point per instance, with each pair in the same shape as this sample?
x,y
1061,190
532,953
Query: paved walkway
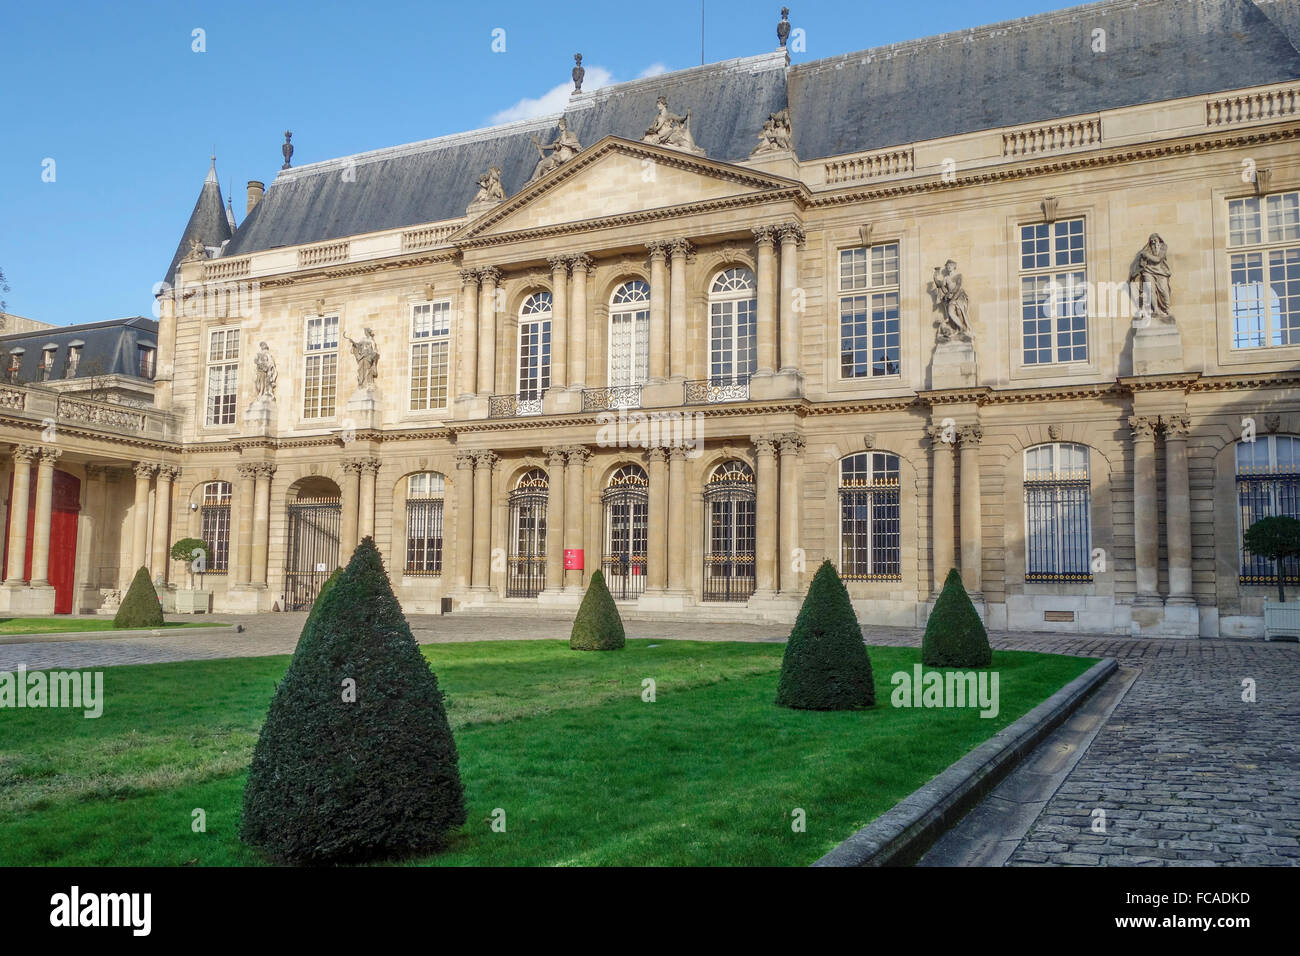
x,y
1186,771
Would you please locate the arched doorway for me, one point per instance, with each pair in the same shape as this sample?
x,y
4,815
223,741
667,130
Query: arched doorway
x,y
65,508
627,522
526,562
315,517
729,503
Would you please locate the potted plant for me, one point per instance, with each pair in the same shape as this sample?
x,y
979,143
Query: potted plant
x,y
1277,539
196,554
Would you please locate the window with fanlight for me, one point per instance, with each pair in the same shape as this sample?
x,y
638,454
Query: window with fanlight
x,y
629,334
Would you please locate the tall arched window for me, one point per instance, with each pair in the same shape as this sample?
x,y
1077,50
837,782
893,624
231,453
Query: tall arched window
x,y
1058,524
424,495
526,561
729,503
214,516
870,527
733,327
627,524
1268,484
534,352
629,334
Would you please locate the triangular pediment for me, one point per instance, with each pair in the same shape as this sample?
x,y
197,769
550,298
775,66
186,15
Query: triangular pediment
x,y
618,177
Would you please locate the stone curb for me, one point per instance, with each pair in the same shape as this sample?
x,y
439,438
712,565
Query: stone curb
x,y
55,637
901,835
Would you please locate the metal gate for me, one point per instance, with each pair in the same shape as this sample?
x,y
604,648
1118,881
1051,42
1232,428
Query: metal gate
x,y
526,562
729,502
313,549
627,521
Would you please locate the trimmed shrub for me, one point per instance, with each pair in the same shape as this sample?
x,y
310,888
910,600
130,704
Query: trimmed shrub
x,y
954,634
140,607
356,760
1276,538
185,549
597,626
826,665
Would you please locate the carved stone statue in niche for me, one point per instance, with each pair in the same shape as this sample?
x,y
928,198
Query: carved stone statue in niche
x,y
671,130
265,375
563,149
776,135
952,302
1151,274
489,186
366,352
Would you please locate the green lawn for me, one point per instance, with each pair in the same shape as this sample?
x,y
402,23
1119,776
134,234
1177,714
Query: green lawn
x,y
586,772
60,624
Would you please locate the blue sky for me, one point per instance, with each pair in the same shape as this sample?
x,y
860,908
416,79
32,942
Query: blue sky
x,y
129,112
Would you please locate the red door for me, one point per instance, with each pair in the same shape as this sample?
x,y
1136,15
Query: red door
x,y
66,505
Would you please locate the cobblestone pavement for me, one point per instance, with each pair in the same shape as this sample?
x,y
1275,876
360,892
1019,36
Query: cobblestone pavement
x,y
1187,772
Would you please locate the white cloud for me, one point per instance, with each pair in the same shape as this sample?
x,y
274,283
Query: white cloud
x,y
654,69
555,99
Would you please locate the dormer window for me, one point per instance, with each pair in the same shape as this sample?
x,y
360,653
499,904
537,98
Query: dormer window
x,y
15,364
146,361
74,358
47,361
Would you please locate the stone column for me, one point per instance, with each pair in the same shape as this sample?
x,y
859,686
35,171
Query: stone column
x,y
464,519
555,525
788,576
261,521
658,312
765,530
575,513
678,334
90,523
350,502
942,545
765,237
559,321
970,507
581,265
162,512
44,510
244,530
19,499
140,516
792,237
366,499
677,516
657,555
484,462
467,335
1145,519
1178,510
487,329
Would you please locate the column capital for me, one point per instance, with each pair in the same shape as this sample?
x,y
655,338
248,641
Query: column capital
x,y
791,232
464,460
26,454
941,436
265,469
168,472
559,264
581,262
680,248
970,434
790,443
659,249
485,460
95,471
679,453
50,454
469,277
144,469
556,455
765,445
656,455
1143,427
765,235
579,455
1177,427
490,275
248,469
369,465
352,467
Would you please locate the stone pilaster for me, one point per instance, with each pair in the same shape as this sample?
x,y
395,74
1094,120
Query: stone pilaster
x,y
942,533
44,511
559,321
1145,518
677,324
971,506
19,502
244,528
261,521
580,265
677,515
765,238
766,519
160,562
366,498
144,472
657,555
484,462
555,521
350,502
1178,510
575,511
467,335
792,237
487,329
658,311
464,546
790,578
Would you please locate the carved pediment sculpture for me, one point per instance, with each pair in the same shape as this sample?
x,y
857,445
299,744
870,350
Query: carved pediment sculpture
x,y
561,150
1152,276
952,302
669,129
776,135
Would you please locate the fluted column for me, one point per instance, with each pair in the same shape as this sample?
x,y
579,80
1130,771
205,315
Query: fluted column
x,y
581,265
487,329
19,502
788,575
559,321
678,333
766,521
244,529
657,521
44,510
261,521
942,543
464,519
350,502
366,499
658,310
140,516
574,513
555,525
160,561
467,335
765,238
484,462
1146,545
972,532
791,238
677,512
1178,510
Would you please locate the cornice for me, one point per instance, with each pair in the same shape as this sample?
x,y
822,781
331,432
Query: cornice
x,y
116,440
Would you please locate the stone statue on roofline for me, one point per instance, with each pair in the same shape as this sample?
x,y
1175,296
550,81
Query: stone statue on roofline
x,y
669,129
197,251
578,72
1152,276
776,135
561,150
953,303
489,186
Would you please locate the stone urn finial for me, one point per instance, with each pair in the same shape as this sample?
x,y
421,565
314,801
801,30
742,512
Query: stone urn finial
x,y
783,28
287,149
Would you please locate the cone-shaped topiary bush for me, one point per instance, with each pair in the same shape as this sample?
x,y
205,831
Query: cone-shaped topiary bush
x,y
826,666
597,626
140,607
356,759
954,634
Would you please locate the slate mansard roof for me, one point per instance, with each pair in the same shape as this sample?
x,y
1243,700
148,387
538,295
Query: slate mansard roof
x,y
1022,71
107,348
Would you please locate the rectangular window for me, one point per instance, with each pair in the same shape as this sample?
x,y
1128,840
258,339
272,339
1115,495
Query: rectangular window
x,y
424,494
430,348
223,376
870,520
534,359
1265,273
1053,293
216,524
1268,485
1058,530
146,356
320,374
869,311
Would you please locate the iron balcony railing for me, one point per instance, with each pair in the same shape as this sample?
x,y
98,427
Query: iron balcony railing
x,y
512,406
712,391
612,397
